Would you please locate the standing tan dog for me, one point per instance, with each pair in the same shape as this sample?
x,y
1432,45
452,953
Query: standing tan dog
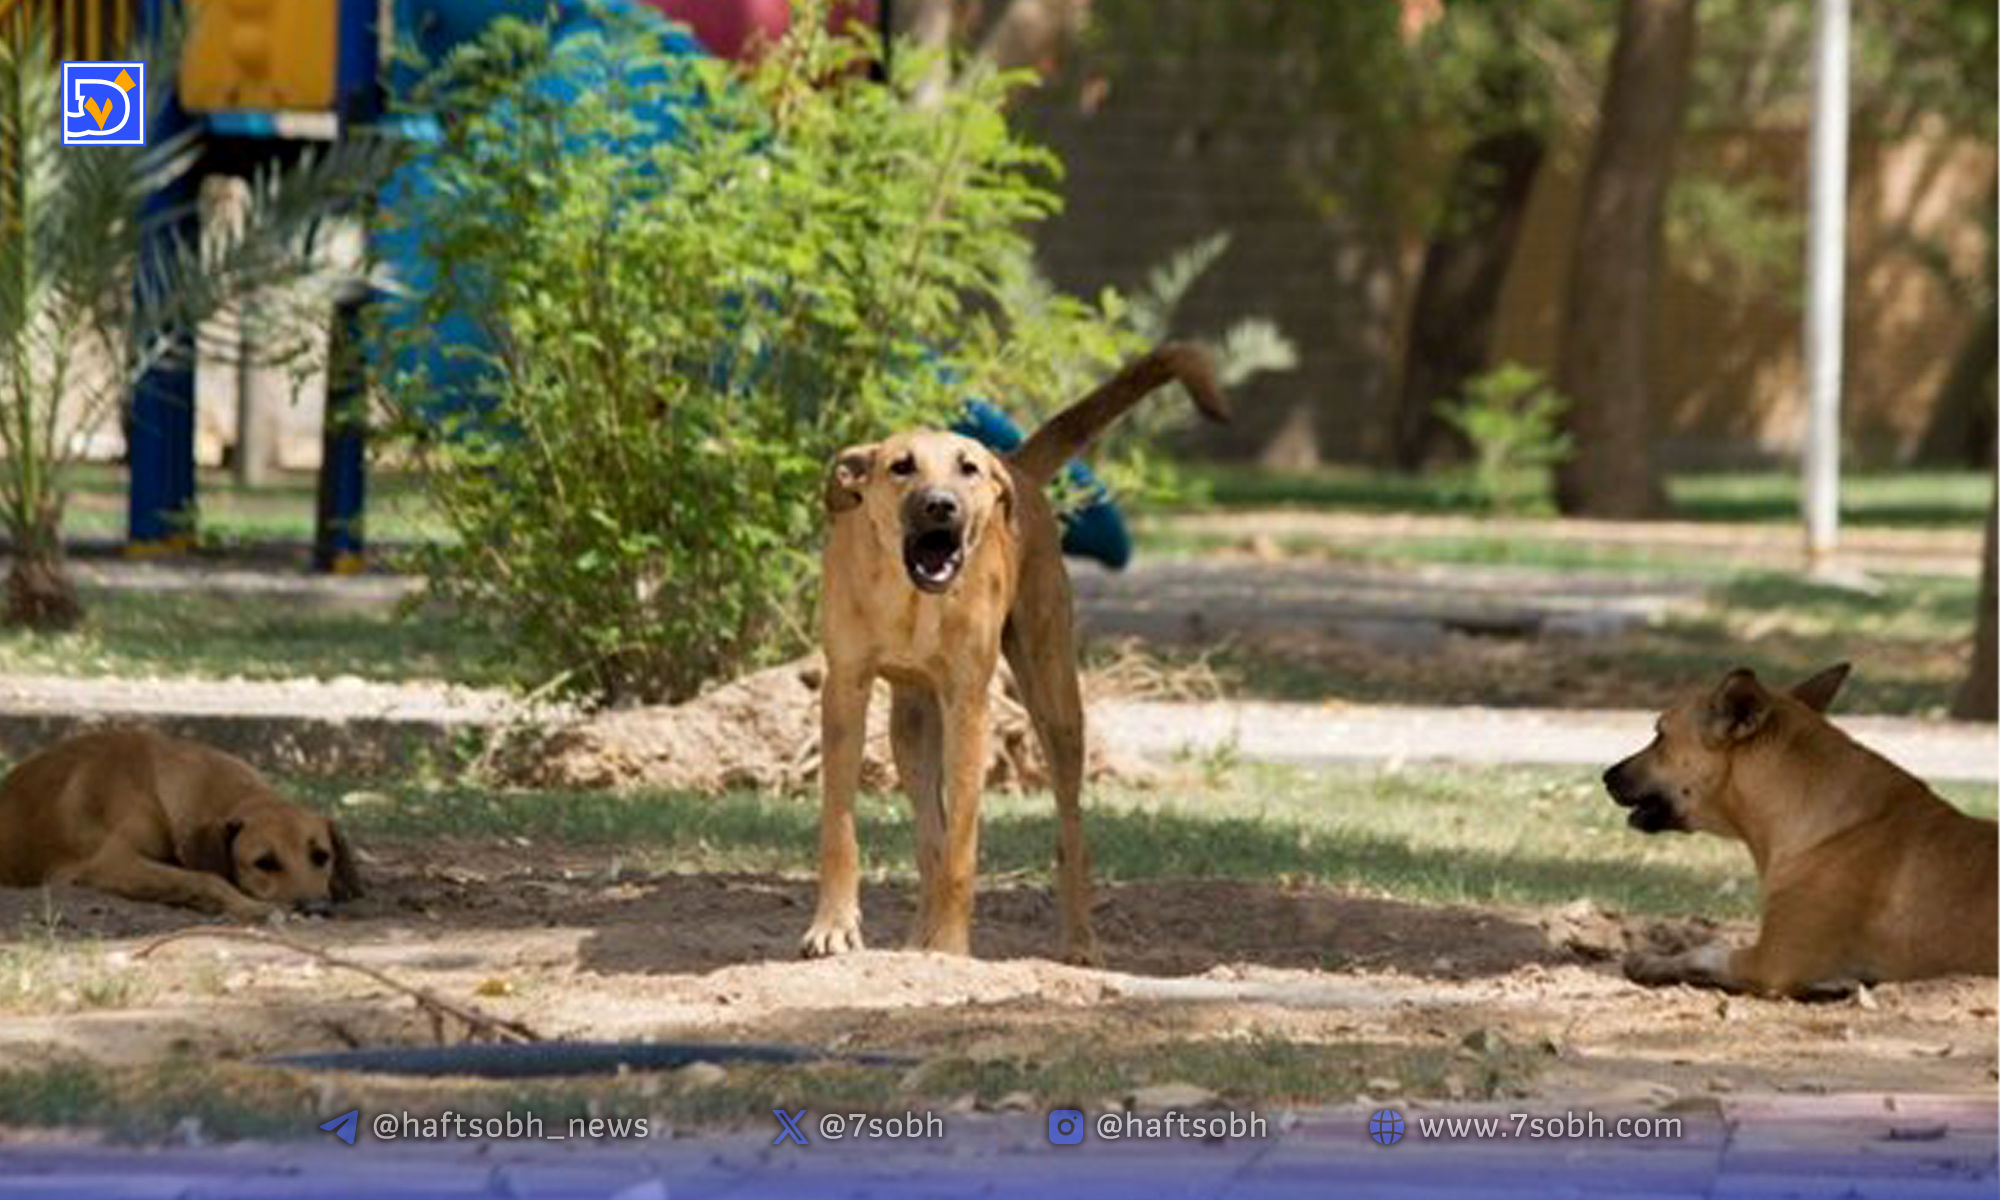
x,y
149,817
1866,875
940,556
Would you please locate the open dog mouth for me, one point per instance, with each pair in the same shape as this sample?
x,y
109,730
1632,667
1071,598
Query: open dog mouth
x,y
1652,814
933,558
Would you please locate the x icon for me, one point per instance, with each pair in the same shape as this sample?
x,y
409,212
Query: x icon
x,y
791,1129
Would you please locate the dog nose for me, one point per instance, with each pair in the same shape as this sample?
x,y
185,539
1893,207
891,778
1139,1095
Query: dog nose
x,y
940,506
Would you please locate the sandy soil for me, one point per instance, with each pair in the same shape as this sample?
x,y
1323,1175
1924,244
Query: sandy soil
x,y
558,944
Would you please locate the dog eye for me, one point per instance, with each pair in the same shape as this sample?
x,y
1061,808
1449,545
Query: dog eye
x,y
319,857
906,465
968,468
269,863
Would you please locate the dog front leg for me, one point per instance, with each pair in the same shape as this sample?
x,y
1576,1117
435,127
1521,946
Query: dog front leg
x,y
122,872
946,909
1788,960
916,734
843,701
1712,964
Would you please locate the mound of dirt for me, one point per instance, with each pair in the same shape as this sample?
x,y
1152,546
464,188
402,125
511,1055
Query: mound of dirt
x,y
760,732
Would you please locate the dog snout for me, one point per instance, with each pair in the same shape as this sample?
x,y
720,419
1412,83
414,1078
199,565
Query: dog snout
x,y
1615,782
935,508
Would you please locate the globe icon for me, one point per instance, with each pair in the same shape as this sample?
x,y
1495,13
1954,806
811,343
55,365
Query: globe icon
x,y
1386,1127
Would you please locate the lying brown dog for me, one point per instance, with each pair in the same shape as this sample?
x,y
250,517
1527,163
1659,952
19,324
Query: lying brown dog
x,y
940,556
1866,875
150,817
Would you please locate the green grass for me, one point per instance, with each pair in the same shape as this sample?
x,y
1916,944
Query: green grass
x,y
230,513
1539,837
1907,643
398,512
1903,498
254,636
1438,834
1163,537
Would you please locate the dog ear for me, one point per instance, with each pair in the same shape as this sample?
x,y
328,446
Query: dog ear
x,y
346,881
1738,708
1003,479
211,849
1818,692
844,477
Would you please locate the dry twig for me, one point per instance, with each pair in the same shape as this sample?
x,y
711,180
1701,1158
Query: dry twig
x,y
436,1007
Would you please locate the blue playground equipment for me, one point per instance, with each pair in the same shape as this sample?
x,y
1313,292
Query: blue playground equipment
x,y
269,78
1095,529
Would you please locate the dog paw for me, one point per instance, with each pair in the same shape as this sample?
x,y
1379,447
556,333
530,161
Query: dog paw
x,y
251,912
946,939
1083,951
831,936
1653,970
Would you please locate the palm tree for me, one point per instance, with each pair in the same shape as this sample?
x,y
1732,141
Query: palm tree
x,y
97,287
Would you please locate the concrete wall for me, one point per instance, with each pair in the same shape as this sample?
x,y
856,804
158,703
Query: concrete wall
x,y
1173,155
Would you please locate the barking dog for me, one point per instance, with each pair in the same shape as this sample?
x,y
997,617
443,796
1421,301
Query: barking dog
x,y
150,817
940,556
1865,873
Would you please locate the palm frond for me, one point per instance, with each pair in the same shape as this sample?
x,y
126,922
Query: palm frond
x,y
102,266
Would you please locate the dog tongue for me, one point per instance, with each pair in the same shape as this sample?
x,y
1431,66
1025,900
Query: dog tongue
x,y
932,555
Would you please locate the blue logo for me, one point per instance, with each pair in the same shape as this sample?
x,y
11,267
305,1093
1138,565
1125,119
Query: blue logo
x,y
343,1125
104,103
1386,1127
790,1131
1065,1127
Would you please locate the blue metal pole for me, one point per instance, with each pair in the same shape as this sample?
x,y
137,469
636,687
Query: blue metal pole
x,y
339,545
160,496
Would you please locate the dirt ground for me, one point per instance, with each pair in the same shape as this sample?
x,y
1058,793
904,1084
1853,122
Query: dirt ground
x,y
553,941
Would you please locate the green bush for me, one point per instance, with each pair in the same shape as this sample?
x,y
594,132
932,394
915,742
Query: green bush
x,y
1512,418
686,331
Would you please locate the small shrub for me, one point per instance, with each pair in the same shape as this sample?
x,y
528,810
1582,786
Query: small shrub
x,y
1065,347
682,332
1512,418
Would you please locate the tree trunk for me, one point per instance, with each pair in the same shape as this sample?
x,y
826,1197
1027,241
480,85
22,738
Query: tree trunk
x,y
1606,368
40,594
1961,429
1976,697
1451,320
1034,33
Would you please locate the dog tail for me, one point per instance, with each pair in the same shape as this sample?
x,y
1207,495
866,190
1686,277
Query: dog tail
x,y
1071,430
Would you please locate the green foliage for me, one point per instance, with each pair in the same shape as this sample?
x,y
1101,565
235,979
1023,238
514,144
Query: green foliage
x,y
1744,236
1513,418
81,316
1064,347
1924,68
685,331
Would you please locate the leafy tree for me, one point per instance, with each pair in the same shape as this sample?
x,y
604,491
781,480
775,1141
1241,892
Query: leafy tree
x,y
1606,358
1512,421
82,316
1978,697
682,331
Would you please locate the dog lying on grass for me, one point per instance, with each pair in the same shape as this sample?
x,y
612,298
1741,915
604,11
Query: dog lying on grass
x,y
142,815
940,556
1865,874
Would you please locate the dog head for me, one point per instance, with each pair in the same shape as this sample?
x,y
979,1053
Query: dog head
x,y
929,499
1680,781
280,855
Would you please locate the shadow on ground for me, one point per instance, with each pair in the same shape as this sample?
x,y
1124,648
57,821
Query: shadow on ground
x,y
656,924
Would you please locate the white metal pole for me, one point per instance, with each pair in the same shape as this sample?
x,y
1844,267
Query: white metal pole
x,y
1825,279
